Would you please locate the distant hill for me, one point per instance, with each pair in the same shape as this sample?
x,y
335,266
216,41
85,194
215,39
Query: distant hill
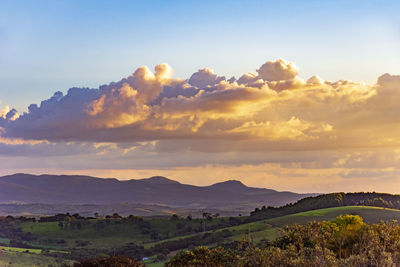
x,y
77,189
235,186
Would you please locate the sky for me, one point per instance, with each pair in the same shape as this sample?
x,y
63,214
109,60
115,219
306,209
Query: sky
x,y
290,95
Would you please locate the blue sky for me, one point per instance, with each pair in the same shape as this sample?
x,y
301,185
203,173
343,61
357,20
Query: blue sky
x,y
47,46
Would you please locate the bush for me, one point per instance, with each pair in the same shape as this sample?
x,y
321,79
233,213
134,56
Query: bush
x,y
114,261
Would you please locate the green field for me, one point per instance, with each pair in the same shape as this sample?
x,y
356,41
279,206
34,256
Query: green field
x,y
113,234
369,214
26,250
5,241
17,258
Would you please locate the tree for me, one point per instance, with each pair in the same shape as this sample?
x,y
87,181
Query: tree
x,y
345,230
116,216
175,217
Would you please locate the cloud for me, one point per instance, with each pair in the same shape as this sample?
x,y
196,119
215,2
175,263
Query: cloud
x,y
271,110
294,128
8,114
278,70
204,77
4,111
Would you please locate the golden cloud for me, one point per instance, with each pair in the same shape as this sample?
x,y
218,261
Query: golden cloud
x,y
272,109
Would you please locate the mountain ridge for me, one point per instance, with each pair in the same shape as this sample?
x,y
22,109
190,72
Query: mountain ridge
x,y
80,189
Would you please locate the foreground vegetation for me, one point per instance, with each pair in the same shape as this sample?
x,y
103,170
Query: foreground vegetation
x,y
345,241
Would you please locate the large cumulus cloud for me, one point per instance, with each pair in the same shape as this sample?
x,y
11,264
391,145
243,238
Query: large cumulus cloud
x,y
272,109
269,128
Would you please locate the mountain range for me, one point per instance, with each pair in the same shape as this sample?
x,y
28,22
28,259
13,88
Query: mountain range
x,y
77,189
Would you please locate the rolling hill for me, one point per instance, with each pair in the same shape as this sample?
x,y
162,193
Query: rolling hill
x,y
330,200
269,229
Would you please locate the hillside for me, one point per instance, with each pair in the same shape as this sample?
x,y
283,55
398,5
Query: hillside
x,y
328,201
336,238
268,229
63,189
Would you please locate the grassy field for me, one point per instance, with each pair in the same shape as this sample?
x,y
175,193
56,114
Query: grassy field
x,y
110,236
113,234
369,214
26,250
155,264
256,230
5,241
16,258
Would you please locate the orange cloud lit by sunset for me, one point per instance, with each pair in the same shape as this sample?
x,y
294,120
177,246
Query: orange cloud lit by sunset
x,y
268,128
